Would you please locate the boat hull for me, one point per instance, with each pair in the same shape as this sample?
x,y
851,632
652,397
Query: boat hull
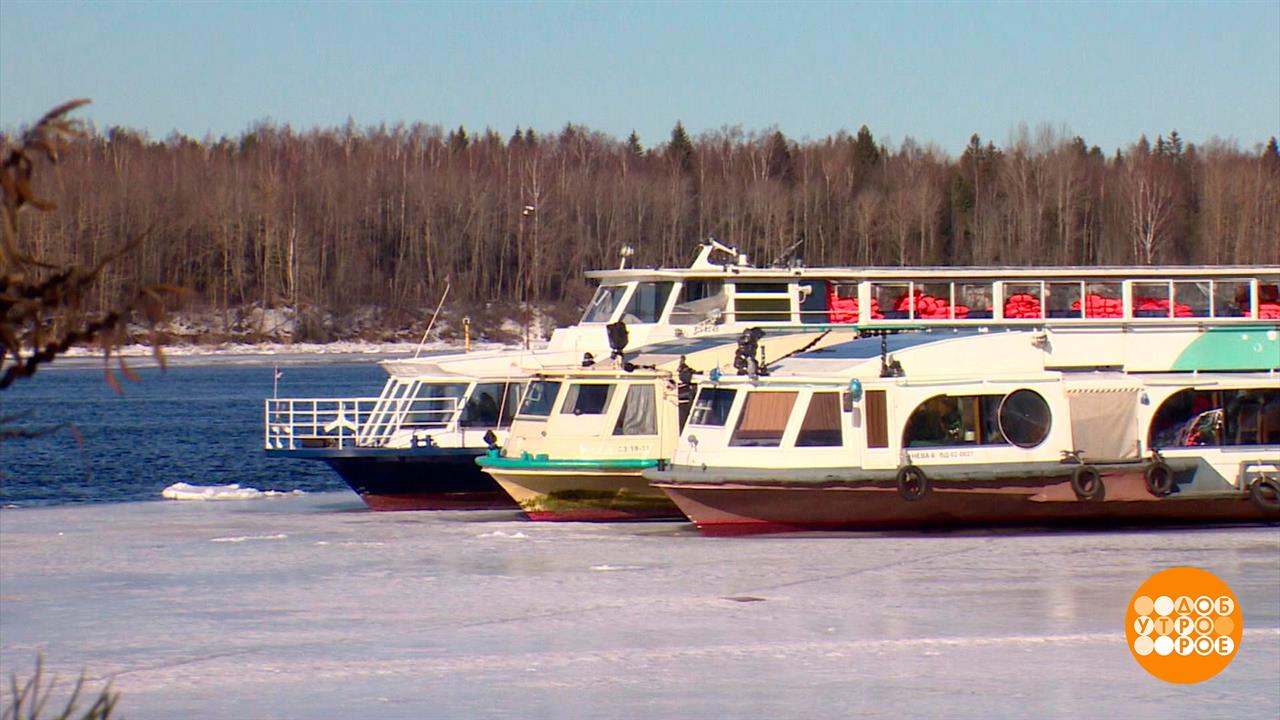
x,y
415,479
731,508
585,495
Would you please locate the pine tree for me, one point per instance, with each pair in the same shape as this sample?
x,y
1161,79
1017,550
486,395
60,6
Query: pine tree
x,y
865,151
779,164
633,144
458,139
680,150
517,138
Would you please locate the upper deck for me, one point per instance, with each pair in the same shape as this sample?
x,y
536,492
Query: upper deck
x,y
709,295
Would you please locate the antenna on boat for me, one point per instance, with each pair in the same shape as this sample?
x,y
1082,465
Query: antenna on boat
x,y
625,252
447,284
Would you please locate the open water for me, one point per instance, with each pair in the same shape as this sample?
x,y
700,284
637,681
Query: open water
x,y
198,425
309,606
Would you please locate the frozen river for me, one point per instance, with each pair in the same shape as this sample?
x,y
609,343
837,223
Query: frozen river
x,y
311,607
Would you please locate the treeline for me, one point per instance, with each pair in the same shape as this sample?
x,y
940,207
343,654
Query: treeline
x,y
347,218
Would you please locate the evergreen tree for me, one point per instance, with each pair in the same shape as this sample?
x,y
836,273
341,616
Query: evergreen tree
x,y
517,138
1175,144
1271,156
458,139
633,144
779,164
680,150
866,153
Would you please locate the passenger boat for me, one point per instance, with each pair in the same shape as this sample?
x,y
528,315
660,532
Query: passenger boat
x,y
965,428
414,445
583,435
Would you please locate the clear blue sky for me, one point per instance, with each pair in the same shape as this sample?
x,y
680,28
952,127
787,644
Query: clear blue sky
x,y
935,71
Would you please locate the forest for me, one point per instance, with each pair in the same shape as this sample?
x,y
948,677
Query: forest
x,y
380,220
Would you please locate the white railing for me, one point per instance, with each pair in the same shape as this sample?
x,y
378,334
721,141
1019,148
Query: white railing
x,y
336,423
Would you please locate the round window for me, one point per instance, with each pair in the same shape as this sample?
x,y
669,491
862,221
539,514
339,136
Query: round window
x,y
1025,418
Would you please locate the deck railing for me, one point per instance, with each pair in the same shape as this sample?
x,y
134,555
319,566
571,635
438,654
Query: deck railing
x,y
337,423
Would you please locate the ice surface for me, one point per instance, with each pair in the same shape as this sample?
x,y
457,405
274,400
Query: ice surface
x,y
312,607
185,491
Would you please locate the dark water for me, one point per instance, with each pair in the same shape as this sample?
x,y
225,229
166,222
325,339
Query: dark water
x,y
198,425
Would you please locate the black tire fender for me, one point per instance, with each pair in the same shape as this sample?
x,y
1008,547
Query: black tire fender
x,y
1265,492
1086,482
1159,478
913,484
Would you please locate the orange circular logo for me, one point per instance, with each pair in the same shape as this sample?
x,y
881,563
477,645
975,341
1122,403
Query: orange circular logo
x,y
1183,625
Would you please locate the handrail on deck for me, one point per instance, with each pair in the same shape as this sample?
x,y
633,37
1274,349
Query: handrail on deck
x,y
337,423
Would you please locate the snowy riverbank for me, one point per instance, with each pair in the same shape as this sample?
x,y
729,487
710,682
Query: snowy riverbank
x,y
311,607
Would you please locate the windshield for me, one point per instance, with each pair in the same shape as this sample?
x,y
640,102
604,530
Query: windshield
x,y
540,398
604,303
647,303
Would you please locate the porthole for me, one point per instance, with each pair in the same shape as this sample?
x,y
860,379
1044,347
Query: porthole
x,y
1025,418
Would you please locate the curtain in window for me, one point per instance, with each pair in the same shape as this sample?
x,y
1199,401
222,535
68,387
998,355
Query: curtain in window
x,y
638,416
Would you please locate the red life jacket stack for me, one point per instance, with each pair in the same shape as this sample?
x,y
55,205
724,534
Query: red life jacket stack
x,y
1161,305
1023,307
1096,306
928,307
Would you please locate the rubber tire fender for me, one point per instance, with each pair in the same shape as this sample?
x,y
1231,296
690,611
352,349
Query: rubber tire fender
x,y
1159,478
913,484
1258,492
1087,484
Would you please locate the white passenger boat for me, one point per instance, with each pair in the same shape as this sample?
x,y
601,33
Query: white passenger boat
x,y
583,436
986,428
413,446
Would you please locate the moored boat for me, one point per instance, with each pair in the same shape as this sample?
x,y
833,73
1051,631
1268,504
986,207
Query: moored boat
x,y
981,429
412,446
583,436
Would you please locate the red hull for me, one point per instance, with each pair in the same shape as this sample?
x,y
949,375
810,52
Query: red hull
x,y
441,501
753,509
601,515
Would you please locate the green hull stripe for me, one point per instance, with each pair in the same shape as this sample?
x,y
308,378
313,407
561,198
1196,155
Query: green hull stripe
x,y
542,463
1255,347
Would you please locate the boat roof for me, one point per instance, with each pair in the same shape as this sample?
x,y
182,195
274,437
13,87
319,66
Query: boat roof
x,y
1062,272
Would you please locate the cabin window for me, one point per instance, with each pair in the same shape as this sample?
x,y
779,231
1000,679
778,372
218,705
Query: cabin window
x,y
699,301
932,301
763,419
540,398
955,420
712,407
1190,299
973,301
491,405
877,419
1063,299
587,399
647,303
821,426
1232,298
891,300
813,301
511,403
762,302
1103,300
1269,298
1024,301
639,412
604,303
1192,418
1025,418
483,406
433,404
842,303
1152,299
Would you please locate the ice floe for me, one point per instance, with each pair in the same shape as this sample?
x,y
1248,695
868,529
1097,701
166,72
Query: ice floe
x,y
184,491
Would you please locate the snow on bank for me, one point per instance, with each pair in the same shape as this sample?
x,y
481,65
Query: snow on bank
x,y
183,491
